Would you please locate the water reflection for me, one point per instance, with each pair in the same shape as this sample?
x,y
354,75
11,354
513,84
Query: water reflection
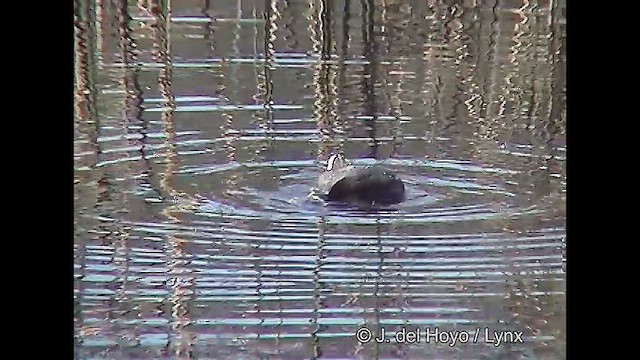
x,y
201,128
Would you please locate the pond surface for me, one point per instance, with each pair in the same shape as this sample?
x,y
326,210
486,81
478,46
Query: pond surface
x,y
201,128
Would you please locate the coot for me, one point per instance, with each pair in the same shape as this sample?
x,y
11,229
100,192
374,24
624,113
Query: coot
x,y
370,185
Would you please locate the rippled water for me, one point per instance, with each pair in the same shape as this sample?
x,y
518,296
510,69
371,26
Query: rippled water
x,y
201,128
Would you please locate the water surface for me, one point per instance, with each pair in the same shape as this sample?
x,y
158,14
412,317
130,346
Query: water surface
x,y
201,129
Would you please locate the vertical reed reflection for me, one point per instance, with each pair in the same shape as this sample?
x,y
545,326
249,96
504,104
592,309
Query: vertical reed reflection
x,y
86,119
208,25
557,50
379,297
85,65
133,100
454,40
436,67
289,25
181,277
426,72
160,12
324,76
85,135
523,51
116,234
318,303
489,88
341,84
320,36
395,19
480,44
372,299
231,134
370,75
264,76
132,120
325,91
330,44
236,43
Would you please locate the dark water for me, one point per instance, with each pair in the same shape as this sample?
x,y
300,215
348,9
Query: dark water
x,y
201,128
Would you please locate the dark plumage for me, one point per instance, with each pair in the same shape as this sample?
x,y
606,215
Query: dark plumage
x,y
369,185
